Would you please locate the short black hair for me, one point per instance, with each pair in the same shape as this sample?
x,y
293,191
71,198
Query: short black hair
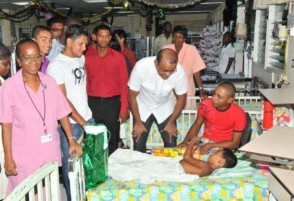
x,y
54,20
114,43
230,86
75,31
230,158
101,27
166,23
181,29
38,29
22,42
4,52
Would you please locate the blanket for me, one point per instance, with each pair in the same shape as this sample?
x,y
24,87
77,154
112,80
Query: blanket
x,y
128,165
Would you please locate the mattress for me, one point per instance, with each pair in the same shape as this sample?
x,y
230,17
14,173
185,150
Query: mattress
x,y
245,182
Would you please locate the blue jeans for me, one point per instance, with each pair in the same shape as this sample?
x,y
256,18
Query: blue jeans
x,y
77,131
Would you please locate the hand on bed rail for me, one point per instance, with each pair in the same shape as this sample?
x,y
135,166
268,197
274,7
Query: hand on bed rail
x,y
74,147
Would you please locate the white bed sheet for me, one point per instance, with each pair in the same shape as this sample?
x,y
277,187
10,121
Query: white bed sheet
x,y
128,165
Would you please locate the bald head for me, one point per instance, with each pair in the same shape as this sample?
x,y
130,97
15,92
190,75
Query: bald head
x,y
229,87
168,55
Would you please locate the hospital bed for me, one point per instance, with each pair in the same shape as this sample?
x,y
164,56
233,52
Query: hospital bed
x,y
243,185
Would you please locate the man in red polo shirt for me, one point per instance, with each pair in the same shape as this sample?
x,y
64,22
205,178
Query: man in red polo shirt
x,y
224,121
107,85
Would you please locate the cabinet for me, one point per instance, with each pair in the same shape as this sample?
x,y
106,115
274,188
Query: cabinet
x,y
277,143
281,184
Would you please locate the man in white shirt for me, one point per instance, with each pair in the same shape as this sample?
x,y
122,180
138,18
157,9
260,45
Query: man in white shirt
x,y
153,84
163,39
227,56
68,69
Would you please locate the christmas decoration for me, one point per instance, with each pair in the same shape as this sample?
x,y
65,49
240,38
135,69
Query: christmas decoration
x,y
210,47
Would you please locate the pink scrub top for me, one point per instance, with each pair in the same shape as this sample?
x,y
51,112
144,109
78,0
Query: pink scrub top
x,y
27,126
191,62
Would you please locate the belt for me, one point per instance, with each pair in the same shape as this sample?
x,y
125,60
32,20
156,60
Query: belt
x,y
106,98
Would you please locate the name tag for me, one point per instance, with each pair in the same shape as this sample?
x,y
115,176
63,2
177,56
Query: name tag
x,y
46,138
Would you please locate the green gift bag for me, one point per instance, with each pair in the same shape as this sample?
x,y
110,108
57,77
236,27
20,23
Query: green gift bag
x,y
95,155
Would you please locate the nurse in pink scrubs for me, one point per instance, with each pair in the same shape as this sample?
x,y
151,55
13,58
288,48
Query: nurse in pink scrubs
x,y
30,106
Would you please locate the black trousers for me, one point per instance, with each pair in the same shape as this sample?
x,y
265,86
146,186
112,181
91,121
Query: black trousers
x,y
106,111
140,145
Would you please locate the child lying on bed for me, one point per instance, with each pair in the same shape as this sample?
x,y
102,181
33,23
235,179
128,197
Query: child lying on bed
x,y
128,165
223,158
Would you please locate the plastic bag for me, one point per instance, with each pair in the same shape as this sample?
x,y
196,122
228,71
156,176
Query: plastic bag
x,y
95,155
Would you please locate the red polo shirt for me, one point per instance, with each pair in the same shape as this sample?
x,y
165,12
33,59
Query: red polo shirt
x,y
107,76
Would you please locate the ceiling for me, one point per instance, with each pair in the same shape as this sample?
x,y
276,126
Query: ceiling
x,y
82,7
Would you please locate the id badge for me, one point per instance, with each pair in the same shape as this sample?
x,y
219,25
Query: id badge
x,y
46,138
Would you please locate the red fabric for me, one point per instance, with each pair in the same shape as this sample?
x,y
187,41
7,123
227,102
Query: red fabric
x,y
268,115
220,125
130,55
90,49
107,76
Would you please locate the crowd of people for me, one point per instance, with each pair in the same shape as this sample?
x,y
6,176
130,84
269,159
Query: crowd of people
x,y
66,82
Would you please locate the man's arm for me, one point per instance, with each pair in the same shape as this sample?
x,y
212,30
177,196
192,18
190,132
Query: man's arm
x,y
171,124
193,131
124,77
230,144
231,60
139,127
199,83
73,145
10,167
74,114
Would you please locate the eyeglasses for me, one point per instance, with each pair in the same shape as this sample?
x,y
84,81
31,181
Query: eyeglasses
x,y
30,59
56,29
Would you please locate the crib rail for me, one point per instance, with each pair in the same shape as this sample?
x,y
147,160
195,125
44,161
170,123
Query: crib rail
x,y
77,177
43,184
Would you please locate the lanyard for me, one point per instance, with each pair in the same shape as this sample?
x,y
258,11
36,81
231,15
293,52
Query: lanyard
x,y
44,100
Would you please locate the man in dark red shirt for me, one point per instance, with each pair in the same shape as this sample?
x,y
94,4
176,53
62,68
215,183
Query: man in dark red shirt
x,y
107,85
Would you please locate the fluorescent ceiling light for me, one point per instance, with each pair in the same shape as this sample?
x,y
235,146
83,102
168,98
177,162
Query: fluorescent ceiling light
x,y
125,11
115,7
193,11
21,3
208,3
96,1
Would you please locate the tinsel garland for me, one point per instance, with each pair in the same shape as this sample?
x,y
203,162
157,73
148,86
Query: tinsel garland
x,y
27,12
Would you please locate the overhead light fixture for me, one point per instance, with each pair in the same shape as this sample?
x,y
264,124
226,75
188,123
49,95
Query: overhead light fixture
x,y
21,3
125,11
213,2
96,1
115,7
192,11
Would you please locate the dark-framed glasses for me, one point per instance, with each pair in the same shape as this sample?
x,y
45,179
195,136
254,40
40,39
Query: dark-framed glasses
x,y
30,59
